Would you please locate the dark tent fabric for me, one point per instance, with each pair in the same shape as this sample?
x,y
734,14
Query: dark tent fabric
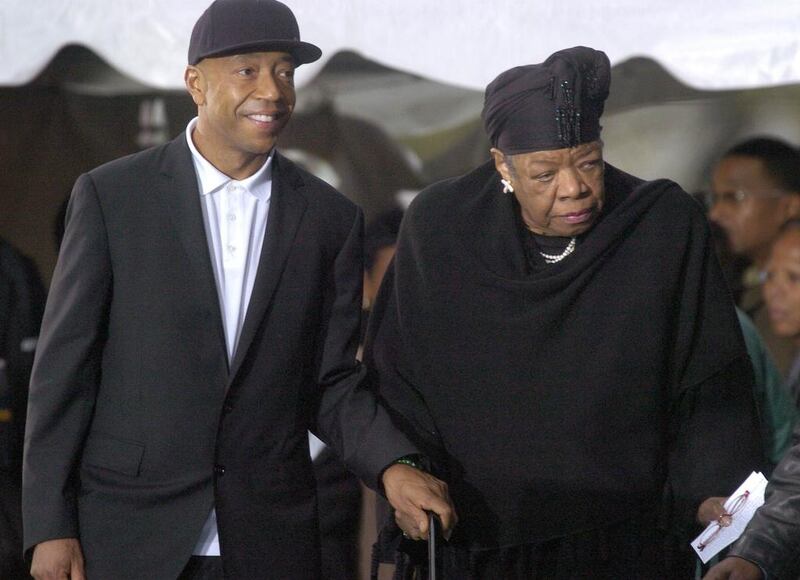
x,y
51,134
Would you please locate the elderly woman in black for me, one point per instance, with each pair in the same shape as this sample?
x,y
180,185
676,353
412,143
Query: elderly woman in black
x,y
558,337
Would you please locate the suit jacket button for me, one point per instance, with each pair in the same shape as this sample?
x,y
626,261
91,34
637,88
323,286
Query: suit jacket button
x,y
219,469
227,408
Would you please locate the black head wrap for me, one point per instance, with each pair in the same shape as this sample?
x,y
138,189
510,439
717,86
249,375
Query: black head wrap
x,y
552,105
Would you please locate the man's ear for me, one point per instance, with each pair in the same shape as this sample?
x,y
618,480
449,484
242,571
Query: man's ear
x,y
501,164
195,83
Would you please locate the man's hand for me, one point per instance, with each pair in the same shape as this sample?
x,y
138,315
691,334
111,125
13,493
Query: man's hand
x,y
411,492
733,568
58,560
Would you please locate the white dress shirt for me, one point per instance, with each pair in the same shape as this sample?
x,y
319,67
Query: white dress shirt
x,y
235,217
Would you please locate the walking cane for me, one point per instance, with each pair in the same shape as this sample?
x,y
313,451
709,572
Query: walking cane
x,y
434,533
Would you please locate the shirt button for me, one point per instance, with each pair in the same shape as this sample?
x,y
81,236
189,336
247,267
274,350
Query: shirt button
x,y
231,248
231,217
219,469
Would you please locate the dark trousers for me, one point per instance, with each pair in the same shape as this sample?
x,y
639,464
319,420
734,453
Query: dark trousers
x,y
203,568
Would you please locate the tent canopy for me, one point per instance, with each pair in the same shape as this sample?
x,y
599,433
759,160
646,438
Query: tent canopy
x,y
394,104
707,44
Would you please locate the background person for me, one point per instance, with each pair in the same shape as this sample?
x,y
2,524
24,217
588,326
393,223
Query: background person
x,y
782,296
380,241
21,306
776,409
755,190
769,546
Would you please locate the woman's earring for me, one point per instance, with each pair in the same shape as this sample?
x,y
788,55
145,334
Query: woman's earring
x,y
507,187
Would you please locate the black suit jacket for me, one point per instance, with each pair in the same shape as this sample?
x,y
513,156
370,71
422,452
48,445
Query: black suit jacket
x,y
136,421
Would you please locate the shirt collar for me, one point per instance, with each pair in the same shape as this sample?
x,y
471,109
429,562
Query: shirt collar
x,y
212,179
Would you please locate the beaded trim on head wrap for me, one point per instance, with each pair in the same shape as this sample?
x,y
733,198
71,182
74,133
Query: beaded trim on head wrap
x,y
567,117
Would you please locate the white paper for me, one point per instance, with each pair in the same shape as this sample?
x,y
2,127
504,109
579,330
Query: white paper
x,y
754,486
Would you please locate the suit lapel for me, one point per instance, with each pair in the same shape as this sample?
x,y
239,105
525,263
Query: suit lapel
x,y
179,193
287,206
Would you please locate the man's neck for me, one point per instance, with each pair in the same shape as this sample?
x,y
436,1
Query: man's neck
x,y
236,165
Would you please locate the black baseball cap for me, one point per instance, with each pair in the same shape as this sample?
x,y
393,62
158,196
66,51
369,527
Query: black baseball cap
x,y
238,26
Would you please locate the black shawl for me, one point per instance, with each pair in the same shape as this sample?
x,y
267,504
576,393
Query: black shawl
x,y
567,399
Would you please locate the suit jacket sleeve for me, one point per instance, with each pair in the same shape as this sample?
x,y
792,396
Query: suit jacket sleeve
x,y
350,417
66,371
773,535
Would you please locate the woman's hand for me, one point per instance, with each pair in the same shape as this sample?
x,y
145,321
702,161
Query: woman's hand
x,y
412,492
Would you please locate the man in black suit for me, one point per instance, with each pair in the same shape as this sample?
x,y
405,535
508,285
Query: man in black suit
x,y
203,316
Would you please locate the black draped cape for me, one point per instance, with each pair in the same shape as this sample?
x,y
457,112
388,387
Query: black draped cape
x,y
577,396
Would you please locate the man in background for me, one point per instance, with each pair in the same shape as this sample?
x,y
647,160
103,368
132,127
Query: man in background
x,y
755,189
21,306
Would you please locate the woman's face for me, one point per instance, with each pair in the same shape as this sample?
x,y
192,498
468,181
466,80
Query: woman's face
x,y
560,191
782,285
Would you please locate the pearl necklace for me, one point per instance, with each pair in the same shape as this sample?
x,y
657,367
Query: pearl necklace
x,y
553,258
